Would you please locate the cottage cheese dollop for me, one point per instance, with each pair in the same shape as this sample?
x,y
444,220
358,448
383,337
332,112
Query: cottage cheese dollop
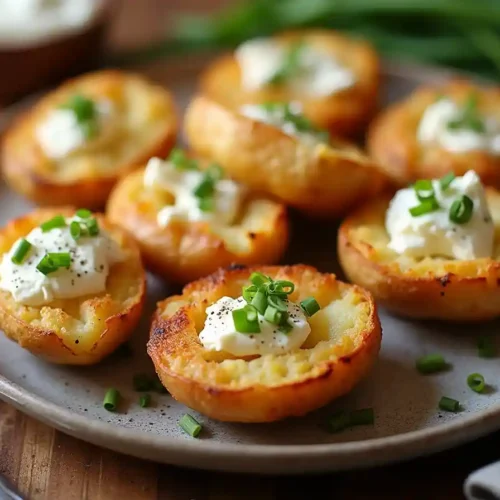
x,y
91,258
434,234
434,129
219,332
318,72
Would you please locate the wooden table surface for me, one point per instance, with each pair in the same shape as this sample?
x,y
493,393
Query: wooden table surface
x,y
46,464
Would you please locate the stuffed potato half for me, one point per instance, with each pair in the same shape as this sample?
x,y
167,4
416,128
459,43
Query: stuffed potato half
x,y
340,350
81,330
73,145
398,137
185,250
427,288
344,112
323,180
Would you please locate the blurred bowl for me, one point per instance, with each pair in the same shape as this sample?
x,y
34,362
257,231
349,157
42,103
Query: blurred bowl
x,y
26,69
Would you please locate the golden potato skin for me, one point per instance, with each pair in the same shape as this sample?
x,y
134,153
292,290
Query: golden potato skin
x,y
392,139
318,180
80,331
184,252
441,289
270,387
145,126
344,114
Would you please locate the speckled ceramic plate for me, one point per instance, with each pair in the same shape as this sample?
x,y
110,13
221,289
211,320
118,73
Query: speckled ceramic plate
x,y
408,422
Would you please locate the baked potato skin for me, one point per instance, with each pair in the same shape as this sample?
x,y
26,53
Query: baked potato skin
x,y
174,343
181,253
392,140
87,179
93,327
450,290
344,114
318,180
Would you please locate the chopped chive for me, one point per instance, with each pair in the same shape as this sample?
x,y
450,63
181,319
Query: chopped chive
x,y
449,404
461,210
145,400
205,188
273,315
258,278
142,382
180,160
310,306
445,181
424,190
62,259
75,230
486,347
259,301
92,227
246,319
249,292
111,399
21,251
83,107
339,421
285,327
46,266
206,204
431,363
476,382
425,207
57,221
283,286
365,416
277,303
83,213
189,425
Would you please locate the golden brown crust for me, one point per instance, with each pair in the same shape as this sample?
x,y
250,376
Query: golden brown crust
x,y
343,345
392,139
317,179
77,331
430,288
344,114
182,252
145,125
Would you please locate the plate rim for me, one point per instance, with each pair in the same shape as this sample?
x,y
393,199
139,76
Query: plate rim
x,y
263,458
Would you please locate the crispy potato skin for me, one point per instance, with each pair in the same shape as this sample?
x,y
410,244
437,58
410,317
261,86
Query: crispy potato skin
x,y
392,139
271,387
184,252
442,289
145,125
80,331
320,181
344,114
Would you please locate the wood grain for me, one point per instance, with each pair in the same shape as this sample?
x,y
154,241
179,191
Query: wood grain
x,y
48,465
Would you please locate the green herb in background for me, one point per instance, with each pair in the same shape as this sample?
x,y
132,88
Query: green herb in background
x,y
464,34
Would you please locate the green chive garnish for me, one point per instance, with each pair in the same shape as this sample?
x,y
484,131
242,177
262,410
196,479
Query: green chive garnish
x,y
145,400
339,421
272,315
424,190
431,363
461,210
277,303
142,382
476,382
206,204
310,306
189,425
46,266
180,161
365,416
111,399
445,181
425,207
92,227
83,213
258,278
57,221
249,293
62,259
486,347
449,404
21,251
75,230
285,327
83,108
259,301
205,188
246,319
282,286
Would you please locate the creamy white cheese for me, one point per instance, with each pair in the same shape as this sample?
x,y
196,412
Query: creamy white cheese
x,y
60,133
26,22
91,258
434,234
219,332
274,115
433,129
228,195
319,73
